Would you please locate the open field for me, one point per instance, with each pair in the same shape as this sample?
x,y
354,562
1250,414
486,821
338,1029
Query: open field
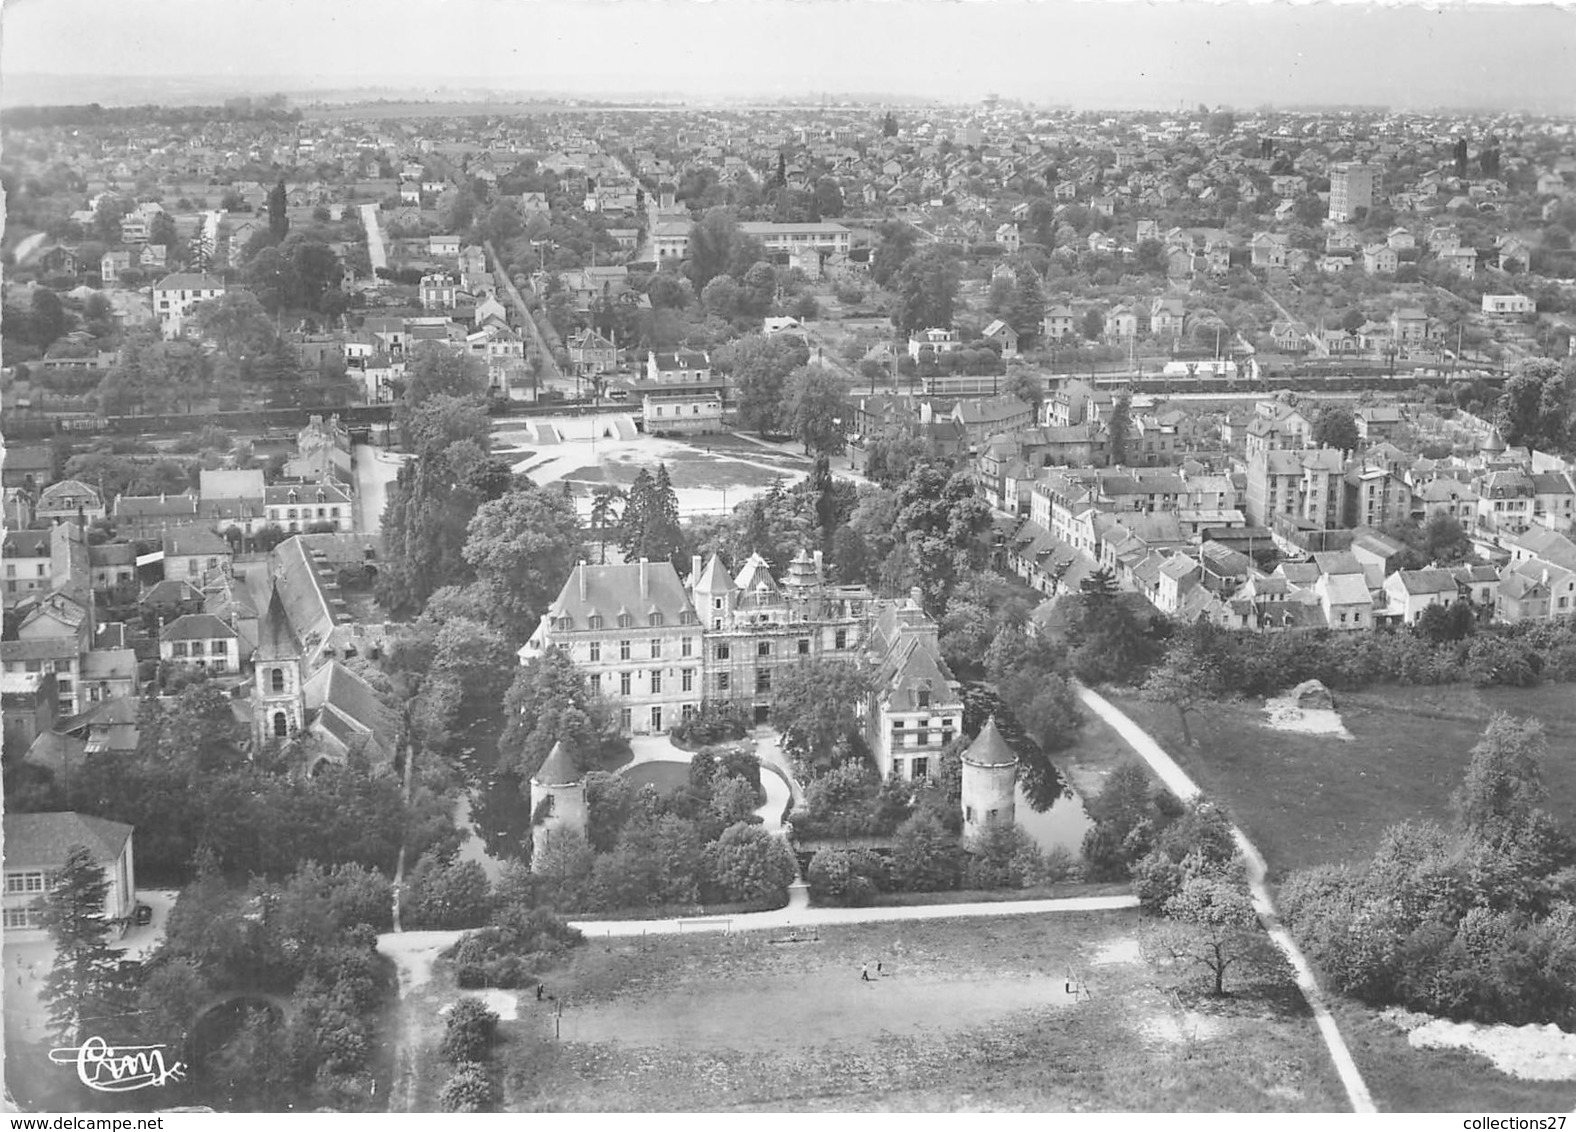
x,y
1403,1079
971,1015
1306,800
705,481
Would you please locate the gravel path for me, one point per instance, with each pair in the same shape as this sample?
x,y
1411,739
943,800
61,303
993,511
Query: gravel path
x,y
1183,787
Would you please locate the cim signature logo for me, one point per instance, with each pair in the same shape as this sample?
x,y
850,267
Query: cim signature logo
x,y
118,1069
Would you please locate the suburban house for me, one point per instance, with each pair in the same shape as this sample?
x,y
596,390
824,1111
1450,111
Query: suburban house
x,y
936,339
175,296
68,501
1002,333
1410,592
1511,305
590,353
201,640
1058,323
194,553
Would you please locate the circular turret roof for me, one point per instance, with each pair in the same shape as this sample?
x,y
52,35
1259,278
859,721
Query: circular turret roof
x,y
558,769
989,748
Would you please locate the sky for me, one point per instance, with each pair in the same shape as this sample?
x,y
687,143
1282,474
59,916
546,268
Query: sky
x,y
1104,54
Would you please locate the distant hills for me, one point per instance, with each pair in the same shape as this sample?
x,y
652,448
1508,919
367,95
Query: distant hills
x,y
33,89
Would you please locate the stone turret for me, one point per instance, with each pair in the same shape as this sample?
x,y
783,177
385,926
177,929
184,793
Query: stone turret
x,y
558,799
990,780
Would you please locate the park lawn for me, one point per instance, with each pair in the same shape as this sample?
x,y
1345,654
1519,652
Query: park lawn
x,y
968,1014
1404,1079
1305,800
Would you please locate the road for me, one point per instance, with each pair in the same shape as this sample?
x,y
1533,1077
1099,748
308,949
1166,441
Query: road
x,y
1177,781
375,470
26,246
550,370
1313,339
375,252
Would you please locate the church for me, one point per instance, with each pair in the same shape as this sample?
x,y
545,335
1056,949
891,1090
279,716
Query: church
x,y
300,683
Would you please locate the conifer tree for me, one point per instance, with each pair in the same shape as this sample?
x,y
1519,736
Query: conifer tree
x,y
278,222
84,989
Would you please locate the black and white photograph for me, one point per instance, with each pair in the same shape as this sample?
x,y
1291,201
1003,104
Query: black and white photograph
x,y
788,556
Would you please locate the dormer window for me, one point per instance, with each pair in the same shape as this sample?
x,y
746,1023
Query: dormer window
x,y
655,619
595,621
563,623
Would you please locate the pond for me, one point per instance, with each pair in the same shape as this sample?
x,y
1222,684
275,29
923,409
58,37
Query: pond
x,y
1059,825
497,812
1049,810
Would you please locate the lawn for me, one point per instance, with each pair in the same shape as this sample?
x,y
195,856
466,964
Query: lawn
x,y
1306,800
971,1015
665,775
1097,751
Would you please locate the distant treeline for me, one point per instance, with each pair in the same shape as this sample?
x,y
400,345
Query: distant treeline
x,y
92,114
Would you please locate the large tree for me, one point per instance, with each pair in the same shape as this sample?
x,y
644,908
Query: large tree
x,y
1535,405
1211,925
522,547
649,527
84,990
278,222
1192,673
1336,427
925,291
818,410
815,706
551,702
1119,429
237,324
759,368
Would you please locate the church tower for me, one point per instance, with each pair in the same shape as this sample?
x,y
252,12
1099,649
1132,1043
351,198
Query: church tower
x,y
558,799
990,780
277,712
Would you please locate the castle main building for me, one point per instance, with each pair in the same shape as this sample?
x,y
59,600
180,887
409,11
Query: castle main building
x,y
660,648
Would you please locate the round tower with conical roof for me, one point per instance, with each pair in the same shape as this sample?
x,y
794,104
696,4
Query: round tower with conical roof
x,y
990,781
558,799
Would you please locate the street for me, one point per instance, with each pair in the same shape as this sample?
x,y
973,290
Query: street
x,y
375,469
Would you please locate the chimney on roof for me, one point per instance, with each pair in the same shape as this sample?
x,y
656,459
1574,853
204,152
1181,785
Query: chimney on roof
x,y
820,567
645,584
581,570
694,568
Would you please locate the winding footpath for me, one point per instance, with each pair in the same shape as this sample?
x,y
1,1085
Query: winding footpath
x,y
1177,781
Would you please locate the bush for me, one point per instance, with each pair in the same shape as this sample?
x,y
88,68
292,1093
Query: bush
x,y
850,877
717,721
468,1089
451,894
747,863
469,1031
925,858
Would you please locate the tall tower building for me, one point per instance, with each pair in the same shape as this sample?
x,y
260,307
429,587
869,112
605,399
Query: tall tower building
x,y
1351,188
558,799
990,779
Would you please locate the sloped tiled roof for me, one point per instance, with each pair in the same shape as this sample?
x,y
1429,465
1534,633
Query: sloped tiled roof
x,y
196,626
42,840
609,589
